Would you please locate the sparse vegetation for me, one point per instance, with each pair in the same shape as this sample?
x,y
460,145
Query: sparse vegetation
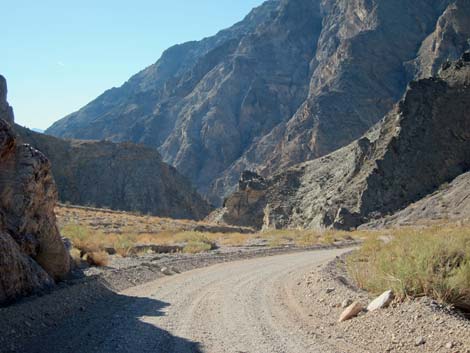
x,y
97,258
415,262
98,231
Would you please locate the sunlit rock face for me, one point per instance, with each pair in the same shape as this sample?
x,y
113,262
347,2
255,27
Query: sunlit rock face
x,y
32,254
295,80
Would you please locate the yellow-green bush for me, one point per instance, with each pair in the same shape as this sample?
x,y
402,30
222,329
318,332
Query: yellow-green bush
x,y
432,262
195,242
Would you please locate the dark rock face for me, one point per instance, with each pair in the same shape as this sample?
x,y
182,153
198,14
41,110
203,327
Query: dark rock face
x,y
251,180
122,176
32,254
450,38
295,80
422,143
6,112
450,202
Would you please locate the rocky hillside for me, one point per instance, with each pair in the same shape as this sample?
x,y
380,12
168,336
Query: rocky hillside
x,y
122,176
421,144
450,203
32,254
295,80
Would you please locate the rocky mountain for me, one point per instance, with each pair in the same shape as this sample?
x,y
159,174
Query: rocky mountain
x,y
421,144
293,81
122,176
450,203
32,254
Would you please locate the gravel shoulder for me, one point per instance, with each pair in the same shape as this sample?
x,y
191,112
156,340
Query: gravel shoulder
x,y
420,325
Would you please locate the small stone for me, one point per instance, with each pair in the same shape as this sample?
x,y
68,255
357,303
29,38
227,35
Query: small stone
x,y
352,311
330,290
346,303
165,271
450,345
420,341
381,302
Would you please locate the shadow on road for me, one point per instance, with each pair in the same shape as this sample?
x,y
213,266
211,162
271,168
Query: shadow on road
x,y
112,324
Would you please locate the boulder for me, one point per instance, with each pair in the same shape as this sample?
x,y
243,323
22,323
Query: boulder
x,y
351,311
19,274
32,253
382,301
28,198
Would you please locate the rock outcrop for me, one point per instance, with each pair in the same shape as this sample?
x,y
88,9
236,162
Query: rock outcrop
x,y
295,80
450,203
421,144
32,254
120,176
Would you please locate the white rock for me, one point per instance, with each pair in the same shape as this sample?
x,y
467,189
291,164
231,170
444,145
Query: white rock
x,y
351,311
381,302
166,271
420,341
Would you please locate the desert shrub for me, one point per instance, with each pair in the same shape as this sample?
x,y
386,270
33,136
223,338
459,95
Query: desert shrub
x,y
195,242
83,238
305,238
195,247
432,262
124,243
76,256
97,258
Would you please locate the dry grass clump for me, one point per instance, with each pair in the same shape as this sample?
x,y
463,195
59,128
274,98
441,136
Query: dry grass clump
x,y
92,244
195,242
305,238
95,244
97,258
76,256
432,262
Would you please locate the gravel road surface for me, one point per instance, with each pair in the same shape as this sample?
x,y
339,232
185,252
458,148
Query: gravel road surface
x,y
244,306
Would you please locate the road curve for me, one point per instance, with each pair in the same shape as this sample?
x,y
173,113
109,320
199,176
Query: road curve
x,y
247,306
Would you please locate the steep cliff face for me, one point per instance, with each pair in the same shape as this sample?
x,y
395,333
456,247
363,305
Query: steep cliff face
x,y
32,254
122,176
422,143
293,81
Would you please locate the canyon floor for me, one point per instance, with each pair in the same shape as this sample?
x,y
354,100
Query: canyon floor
x,y
282,303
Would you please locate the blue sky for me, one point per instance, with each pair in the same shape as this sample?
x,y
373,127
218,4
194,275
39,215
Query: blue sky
x,y
59,55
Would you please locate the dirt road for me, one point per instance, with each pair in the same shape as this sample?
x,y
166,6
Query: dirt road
x,y
246,306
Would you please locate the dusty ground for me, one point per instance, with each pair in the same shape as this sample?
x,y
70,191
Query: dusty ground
x,y
110,221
